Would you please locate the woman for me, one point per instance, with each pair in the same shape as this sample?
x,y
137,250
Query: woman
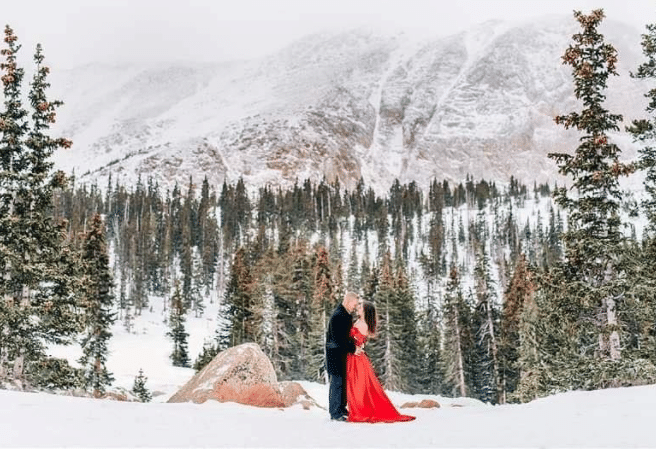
x,y
367,401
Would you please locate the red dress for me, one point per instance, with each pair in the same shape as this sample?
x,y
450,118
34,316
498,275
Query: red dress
x,y
367,401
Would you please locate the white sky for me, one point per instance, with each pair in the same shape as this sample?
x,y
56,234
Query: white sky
x,y
76,32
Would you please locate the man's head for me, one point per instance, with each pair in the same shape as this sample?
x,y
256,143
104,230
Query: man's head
x,y
350,301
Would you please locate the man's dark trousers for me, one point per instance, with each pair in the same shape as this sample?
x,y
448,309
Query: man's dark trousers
x,y
338,345
337,396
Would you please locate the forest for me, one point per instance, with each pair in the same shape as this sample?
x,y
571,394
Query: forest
x,y
500,292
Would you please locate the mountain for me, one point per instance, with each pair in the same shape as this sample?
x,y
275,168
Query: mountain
x,y
344,106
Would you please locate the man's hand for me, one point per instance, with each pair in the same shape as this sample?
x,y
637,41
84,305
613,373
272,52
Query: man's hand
x,y
359,350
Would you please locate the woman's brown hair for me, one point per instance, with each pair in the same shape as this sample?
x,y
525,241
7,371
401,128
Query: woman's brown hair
x,y
369,316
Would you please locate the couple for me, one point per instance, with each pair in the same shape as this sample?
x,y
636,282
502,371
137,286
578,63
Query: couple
x,y
352,379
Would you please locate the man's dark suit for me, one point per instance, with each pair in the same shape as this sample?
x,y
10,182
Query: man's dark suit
x,y
338,344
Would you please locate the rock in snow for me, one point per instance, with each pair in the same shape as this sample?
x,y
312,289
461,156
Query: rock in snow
x,y
242,374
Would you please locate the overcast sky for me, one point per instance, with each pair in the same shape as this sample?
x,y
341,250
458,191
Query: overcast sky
x,y
75,32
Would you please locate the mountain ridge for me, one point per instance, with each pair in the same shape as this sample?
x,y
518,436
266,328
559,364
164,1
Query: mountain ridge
x,y
351,105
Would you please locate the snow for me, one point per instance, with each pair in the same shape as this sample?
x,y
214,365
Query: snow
x,y
615,418
609,418
479,102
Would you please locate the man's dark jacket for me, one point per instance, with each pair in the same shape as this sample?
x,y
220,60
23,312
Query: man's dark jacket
x,y
338,341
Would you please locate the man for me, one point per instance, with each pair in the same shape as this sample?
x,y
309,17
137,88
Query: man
x,y
338,345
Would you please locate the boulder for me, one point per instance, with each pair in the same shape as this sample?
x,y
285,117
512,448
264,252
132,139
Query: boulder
x,y
242,374
424,403
114,396
293,393
428,403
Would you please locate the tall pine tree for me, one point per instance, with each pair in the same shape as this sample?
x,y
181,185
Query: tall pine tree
x,y
97,302
237,309
323,300
520,289
177,331
38,303
589,288
486,326
458,338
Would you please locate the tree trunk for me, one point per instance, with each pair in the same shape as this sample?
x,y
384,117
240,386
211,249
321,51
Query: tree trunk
x,y
610,344
493,342
389,376
18,365
461,367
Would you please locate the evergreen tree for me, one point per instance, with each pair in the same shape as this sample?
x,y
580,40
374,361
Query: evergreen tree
x,y
210,350
532,382
98,301
486,325
353,274
323,301
406,317
187,231
31,244
177,332
644,131
280,300
520,288
387,348
301,290
458,338
589,287
198,305
641,334
430,376
139,388
236,313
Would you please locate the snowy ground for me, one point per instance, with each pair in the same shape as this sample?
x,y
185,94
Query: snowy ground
x,y
610,418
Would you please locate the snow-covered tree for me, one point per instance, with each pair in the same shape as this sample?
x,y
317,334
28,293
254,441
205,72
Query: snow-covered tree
x,y
139,387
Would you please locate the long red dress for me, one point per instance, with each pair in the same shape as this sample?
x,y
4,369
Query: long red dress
x,y
366,399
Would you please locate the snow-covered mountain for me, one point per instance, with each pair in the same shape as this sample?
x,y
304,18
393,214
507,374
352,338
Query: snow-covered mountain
x,y
343,105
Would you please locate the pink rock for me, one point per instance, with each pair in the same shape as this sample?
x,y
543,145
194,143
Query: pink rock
x,y
242,374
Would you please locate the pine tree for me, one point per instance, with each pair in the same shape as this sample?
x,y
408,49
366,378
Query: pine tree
x,y
177,332
458,338
98,302
486,325
31,245
198,305
323,301
644,131
406,318
280,300
430,377
14,309
242,208
210,350
236,313
386,349
520,289
301,290
139,388
187,228
532,382
591,281
641,333
353,274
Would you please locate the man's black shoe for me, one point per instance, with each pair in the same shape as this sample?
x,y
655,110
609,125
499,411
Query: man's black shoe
x,y
339,418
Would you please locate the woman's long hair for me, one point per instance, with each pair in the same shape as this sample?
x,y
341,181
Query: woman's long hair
x,y
369,316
